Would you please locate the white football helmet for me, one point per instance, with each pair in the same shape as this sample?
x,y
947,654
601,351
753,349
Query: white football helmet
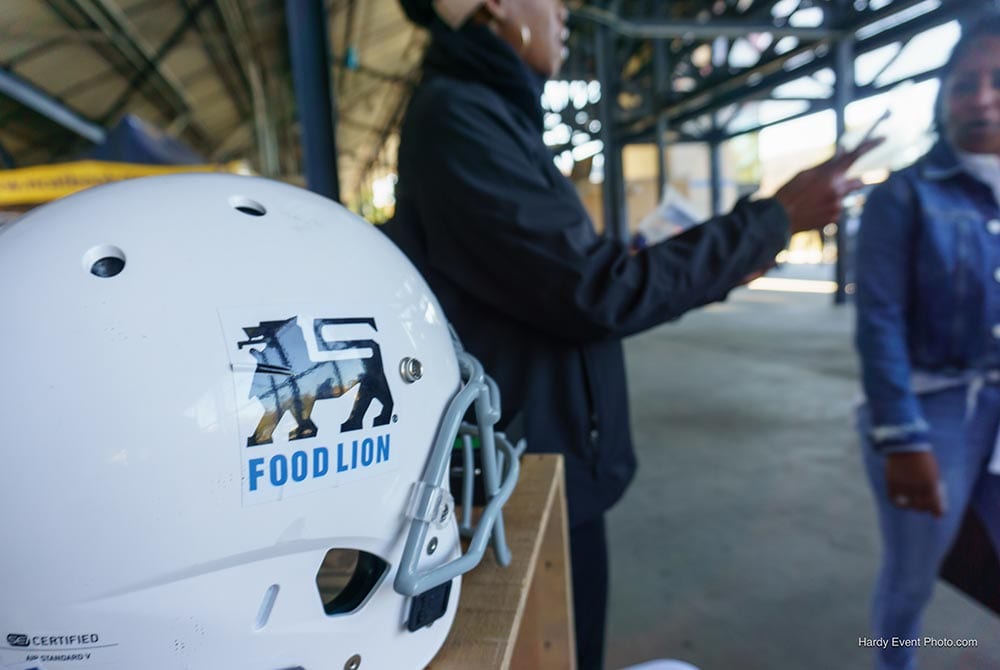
x,y
228,412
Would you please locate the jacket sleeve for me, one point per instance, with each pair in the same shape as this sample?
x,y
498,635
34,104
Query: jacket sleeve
x,y
496,225
884,258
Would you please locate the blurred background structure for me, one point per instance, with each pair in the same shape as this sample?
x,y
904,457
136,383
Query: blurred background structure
x,y
665,113
699,95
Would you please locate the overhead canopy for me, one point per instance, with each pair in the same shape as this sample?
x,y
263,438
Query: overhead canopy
x,y
217,73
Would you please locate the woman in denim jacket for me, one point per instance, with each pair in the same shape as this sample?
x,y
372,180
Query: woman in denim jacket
x,y
928,333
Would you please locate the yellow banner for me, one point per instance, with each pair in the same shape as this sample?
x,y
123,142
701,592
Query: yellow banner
x,y
42,183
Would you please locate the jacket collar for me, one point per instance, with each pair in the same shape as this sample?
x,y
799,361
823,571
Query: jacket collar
x,y
475,53
941,162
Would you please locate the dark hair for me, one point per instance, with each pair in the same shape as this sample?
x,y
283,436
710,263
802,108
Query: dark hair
x,y
985,26
420,12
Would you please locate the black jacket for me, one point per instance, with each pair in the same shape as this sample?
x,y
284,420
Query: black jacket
x,y
508,249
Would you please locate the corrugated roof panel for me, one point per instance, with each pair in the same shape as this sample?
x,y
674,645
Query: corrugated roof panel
x,y
61,68
187,58
204,84
30,18
235,144
217,114
97,98
134,6
156,22
150,114
13,44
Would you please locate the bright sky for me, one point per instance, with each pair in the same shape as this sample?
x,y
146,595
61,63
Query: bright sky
x,y
910,105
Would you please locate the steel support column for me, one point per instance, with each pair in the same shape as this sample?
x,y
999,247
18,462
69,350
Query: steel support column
x,y
662,160
615,223
842,95
307,38
661,87
715,169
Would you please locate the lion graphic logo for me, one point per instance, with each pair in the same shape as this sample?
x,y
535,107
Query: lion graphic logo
x,y
287,380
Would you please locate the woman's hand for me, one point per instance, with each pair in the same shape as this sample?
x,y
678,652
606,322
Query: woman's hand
x,y
813,197
912,480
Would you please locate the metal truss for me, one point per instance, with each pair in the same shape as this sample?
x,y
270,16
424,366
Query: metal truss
x,y
691,71
132,58
43,104
684,71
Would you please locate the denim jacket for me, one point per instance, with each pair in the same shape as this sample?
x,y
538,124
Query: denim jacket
x,y
928,291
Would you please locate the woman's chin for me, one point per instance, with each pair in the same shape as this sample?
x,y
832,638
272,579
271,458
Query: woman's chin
x,y
978,140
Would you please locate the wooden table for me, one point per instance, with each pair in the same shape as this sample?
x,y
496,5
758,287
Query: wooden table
x,y
520,617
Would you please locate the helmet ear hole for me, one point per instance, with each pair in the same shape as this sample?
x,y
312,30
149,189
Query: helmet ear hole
x,y
104,261
247,206
346,578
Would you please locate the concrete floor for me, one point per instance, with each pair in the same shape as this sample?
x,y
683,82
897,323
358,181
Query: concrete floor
x,y
748,540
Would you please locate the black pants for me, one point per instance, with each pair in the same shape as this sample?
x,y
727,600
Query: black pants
x,y
588,547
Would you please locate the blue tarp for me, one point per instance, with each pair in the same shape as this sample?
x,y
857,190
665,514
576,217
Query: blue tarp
x,y
135,141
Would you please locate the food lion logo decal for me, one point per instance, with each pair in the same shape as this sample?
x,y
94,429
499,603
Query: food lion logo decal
x,y
287,380
314,403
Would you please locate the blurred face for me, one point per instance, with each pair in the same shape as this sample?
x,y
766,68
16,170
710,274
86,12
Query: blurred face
x,y
972,98
545,21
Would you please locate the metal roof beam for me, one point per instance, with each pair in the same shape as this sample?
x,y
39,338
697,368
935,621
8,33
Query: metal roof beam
x,y
757,13
733,89
220,51
772,74
42,103
669,28
143,74
131,51
814,106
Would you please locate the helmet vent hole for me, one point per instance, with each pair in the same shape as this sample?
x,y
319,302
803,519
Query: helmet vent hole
x,y
247,206
104,261
266,606
347,578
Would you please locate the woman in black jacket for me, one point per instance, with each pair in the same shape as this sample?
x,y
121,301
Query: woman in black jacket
x,y
541,299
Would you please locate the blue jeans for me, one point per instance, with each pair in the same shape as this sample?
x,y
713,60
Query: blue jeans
x,y
916,543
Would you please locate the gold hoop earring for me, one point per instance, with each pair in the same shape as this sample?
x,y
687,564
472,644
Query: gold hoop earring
x,y
525,37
